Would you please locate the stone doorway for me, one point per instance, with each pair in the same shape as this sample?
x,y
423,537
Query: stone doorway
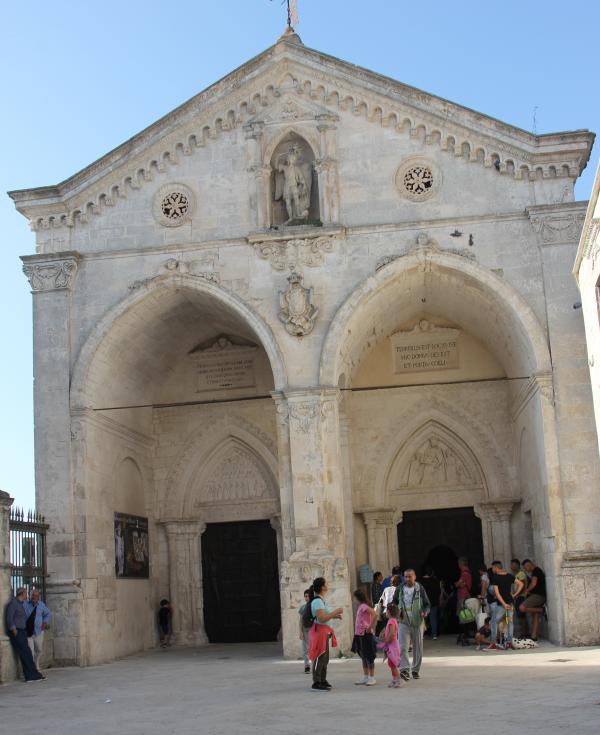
x,y
437,538
241,582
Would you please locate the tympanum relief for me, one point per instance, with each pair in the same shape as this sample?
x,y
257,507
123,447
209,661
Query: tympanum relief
x,y
435,464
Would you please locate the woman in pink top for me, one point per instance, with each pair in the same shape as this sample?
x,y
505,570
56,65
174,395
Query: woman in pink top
x,y
364,643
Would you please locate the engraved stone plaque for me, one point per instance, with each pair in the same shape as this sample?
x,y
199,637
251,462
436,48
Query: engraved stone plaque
x,y
222,365
425,347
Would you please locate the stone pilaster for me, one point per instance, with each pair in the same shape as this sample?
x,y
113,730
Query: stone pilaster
x,y
51,278
185,581
382,538
318,503
495,518
8,669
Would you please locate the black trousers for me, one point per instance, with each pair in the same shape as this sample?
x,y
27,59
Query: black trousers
x,y
319,671
19,643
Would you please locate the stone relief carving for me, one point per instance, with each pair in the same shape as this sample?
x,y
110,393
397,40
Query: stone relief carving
x,y
424,243
293,183
296,310
51,275
555,228
236,477
173,266
303,415
436,464
418,179
173,205
289,254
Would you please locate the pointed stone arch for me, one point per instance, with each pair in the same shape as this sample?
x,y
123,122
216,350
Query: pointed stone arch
x,y
203,450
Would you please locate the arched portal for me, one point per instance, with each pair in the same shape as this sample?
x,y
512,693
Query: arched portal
x,y
434,354
177,376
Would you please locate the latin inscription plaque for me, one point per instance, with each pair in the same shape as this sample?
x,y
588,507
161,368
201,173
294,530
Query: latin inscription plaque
x,y
425,347
223,365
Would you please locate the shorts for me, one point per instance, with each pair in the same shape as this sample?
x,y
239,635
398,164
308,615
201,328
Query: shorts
x,y
164,628
366,647
534,601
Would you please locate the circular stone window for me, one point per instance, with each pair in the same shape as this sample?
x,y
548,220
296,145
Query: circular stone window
x,y
173,205
418,179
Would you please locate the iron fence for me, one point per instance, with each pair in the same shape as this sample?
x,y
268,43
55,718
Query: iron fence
x,y
28,551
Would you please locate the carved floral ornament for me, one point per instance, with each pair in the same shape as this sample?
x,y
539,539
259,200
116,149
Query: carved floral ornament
x,y
51,275
172,266
290,254
558,227
418,179
423,244
173,205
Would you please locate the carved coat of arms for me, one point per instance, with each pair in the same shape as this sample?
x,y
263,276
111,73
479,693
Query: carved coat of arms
x,y
296,309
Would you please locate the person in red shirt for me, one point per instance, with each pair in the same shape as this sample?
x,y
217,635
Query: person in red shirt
x,y
463,591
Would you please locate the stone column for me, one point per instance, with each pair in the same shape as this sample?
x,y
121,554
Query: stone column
x,y
8,669
327,171
259,196
319,513
51,277
381,526
185,581
495,518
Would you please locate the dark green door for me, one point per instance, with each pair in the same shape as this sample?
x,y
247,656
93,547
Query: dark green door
x,y
241,582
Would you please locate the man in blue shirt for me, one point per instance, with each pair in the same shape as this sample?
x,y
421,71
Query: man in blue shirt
x,y
38,620
16,626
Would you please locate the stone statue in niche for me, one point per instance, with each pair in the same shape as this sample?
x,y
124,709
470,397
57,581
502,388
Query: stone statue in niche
x,y
434,464
296,309
293,184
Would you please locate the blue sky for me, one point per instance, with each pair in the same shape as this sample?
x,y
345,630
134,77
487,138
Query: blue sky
x,y
80,78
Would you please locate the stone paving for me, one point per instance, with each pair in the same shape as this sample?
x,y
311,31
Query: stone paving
x,y
222,690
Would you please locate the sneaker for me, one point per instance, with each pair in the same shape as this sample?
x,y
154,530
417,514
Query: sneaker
x,y
392,684
362,681
509,647
405,675
398,684
435,637
491,647
307,669
416,675
370,681
318,687
326,685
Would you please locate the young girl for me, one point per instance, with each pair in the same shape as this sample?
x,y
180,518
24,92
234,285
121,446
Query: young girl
x,y
391,645
364,642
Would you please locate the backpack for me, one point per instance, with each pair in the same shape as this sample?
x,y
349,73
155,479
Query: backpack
x,y
307,616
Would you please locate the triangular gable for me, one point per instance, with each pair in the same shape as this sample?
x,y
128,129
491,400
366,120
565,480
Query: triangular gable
x,y
289,79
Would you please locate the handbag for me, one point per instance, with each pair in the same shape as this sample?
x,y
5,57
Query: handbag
x,y
466,616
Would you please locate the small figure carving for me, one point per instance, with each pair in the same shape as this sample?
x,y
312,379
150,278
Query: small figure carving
x,y
293,184
296,309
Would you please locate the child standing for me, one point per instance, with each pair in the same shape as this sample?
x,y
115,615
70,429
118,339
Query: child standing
x,y
164,623
364,642
391,646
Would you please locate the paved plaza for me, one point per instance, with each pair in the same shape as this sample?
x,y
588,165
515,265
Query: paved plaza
x,y
225,689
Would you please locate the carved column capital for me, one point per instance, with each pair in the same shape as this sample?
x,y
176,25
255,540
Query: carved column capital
x,y
545,385
496,510
176,528
382,517
54,272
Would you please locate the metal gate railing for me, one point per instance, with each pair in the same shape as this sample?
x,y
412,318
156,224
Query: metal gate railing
x,y
28,551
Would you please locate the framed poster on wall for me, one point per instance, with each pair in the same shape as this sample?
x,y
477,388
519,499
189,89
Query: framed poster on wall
x,y
132,557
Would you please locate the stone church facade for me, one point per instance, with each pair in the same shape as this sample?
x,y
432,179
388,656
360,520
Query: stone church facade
x,y
311,320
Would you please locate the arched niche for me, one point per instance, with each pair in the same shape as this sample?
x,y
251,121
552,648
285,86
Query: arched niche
x,y
294,182
129,494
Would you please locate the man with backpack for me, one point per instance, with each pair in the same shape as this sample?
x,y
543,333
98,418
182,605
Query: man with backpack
x,y
413,603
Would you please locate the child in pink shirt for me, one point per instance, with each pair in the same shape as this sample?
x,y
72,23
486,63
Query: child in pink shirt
x,y
391,646
364,643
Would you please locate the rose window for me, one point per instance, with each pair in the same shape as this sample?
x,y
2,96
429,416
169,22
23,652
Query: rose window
x,y
418,180
175,205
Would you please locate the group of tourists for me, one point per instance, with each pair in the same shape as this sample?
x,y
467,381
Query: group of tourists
x,y
393,619
26,620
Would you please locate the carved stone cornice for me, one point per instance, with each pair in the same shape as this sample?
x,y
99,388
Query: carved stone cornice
x,y
496,510
558,224
380,517
293,247
424,246
51,272
541,382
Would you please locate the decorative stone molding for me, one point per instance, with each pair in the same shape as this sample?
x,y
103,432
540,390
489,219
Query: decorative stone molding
x,y
172,266
554,225
577,559
303,414
496,510
296,310
50,273
285,252
424,245
173,205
